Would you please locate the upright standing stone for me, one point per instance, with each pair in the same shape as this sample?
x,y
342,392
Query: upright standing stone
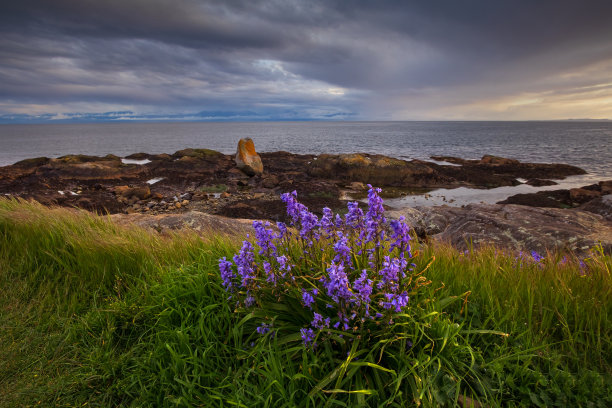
x,y
247,158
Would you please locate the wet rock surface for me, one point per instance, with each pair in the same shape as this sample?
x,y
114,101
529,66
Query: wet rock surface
x,y
563,198
202,188
160,183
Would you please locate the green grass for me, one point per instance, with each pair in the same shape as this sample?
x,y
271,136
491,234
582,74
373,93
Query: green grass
x,y
99,315
217,188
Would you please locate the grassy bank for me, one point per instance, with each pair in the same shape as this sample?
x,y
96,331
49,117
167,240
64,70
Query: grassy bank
x,y
92,313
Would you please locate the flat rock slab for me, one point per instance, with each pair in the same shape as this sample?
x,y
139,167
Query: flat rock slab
x,y
201,223
513,227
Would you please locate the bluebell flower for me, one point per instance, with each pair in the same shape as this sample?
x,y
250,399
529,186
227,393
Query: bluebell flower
x,y
244,261
319,323
265,238
227,273
342,250
308,336
263,328
363,287
307,298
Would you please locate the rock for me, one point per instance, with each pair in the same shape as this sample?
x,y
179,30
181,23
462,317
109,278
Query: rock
x,y
141,193
513,227
177,205
158,196
582,195
247,158
225,195
270,181
536,182
197,153
30,163
357,186
372,169
495,160
205,224
605,187
601,205
184,202
120,190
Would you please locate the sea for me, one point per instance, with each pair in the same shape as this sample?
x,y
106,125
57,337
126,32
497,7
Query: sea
x,y
584,144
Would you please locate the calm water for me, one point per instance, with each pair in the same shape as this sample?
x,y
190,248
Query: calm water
x,y
584,144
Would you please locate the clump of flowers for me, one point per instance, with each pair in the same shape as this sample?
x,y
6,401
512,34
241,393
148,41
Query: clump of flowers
x,y
347,272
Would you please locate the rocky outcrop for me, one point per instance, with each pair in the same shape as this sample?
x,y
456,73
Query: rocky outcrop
x,y
513,227
601,205
201,223
562,198
247,158
375,169
493,171
209,181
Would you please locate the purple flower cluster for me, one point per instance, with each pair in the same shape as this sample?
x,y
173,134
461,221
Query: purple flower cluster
x,y
341,295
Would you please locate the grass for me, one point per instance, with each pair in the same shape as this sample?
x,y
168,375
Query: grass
x,y
217,188
100,315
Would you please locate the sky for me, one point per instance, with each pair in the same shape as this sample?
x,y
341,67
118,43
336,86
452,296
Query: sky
x,y
121,60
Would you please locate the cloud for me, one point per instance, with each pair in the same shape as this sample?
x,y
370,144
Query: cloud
x,y
305,59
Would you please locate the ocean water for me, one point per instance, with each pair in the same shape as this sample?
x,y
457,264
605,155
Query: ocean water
x,y
584,144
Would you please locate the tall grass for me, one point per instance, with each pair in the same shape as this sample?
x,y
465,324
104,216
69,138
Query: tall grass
x,y
100,315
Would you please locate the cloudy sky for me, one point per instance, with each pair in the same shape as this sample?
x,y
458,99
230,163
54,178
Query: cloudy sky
x,y
299,59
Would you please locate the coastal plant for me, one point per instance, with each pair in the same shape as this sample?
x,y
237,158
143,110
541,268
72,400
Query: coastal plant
x,y
347,291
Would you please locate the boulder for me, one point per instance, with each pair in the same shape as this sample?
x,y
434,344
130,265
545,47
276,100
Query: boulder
x,y
140,193
513,227
247,158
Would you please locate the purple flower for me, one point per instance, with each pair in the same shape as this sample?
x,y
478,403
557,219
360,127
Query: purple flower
x,y
271,276
263,328
342,250
244,261
308,336
354,216
339,223
400,236
283,264
327,221
536,257
293,207
308,298
249,300
227,273
363,287
319,323
374,218
337,283
395,302
265,237
282,230
391,272
299,214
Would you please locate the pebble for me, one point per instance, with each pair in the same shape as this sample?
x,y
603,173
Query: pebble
x,y
178,205
185,202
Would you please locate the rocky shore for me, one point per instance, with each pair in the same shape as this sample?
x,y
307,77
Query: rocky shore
x,y
201,181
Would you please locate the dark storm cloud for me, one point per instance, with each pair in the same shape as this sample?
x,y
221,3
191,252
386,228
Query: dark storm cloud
x,y
371,59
